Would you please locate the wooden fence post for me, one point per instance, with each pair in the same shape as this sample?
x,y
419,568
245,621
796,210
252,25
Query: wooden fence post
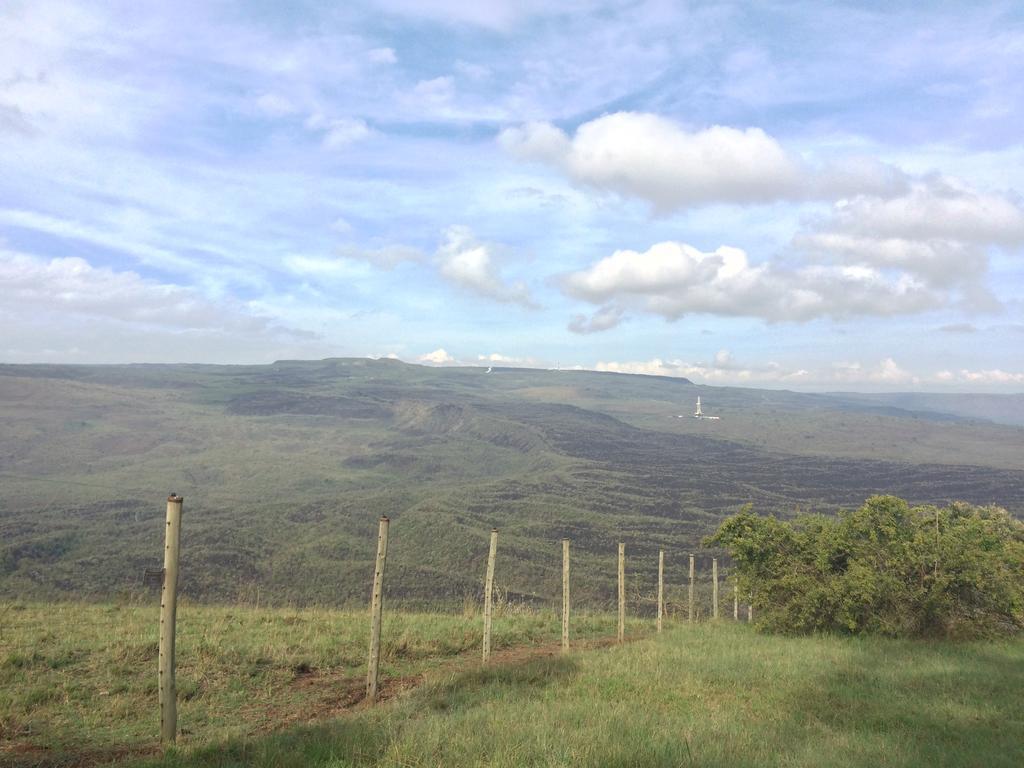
x,y
750,612
661,586
488,593
736,602
690,595
622,591
714,591
565,594
168,617
376,608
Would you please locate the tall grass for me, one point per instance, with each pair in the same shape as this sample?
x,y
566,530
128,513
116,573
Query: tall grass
x,y
273,688
77,677
710,695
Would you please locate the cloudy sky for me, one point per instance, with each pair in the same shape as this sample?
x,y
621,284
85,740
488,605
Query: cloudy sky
x,y
775,194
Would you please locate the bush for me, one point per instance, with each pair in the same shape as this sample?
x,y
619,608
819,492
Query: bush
x,y
886,568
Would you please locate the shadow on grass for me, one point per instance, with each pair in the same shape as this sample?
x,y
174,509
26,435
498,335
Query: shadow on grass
x,y
524,678
362,737
350,741
918,704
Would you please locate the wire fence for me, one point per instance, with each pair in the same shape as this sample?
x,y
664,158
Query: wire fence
x,y
129,632
640,599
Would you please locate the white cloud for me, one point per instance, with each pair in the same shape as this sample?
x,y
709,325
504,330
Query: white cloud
x,y
469,263
436,92
939,231
387,257
942,263
959,328
275,105
653,367
887,371
338,133
71,287
653,158
990,376
884,375
382,56
522,362
602,320
722,370
437,357
934,208
140,129
853,176
472,70
674,279
539,141
106,235
323,267
342,226
54,77
460,259
14,120
491,14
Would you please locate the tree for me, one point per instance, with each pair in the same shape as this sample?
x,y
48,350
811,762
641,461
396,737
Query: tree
x,y
885,568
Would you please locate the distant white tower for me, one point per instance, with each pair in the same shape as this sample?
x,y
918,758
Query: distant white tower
x,y
698,413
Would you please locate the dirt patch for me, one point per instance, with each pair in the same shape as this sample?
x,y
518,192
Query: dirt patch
x,y
333,693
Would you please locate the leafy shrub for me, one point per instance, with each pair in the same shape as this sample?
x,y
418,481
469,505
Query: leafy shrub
x,y
886,568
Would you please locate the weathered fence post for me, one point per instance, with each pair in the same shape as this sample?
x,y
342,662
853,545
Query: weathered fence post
x,y
565,594
690,595
736,602
488,593
168,617
750,612
376,608
622,591
714,590
661,586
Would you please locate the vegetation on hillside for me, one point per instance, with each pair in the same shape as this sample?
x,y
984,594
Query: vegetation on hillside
x,y
886,568
286,468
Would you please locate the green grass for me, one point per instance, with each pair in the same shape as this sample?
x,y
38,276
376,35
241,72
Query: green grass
x,y
80,678
703,695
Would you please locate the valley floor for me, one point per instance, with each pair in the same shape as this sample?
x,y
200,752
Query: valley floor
x,y
705,695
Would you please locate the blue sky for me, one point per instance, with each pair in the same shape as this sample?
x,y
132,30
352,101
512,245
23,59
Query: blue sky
x,y
800,195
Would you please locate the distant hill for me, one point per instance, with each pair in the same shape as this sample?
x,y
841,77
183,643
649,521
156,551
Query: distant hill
x,y
286,467
1001,409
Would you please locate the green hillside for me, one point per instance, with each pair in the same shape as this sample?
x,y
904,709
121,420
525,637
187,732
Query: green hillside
x,y
285,469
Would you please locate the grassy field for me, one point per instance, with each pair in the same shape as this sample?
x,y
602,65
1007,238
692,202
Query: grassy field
x,y
274,688
80,679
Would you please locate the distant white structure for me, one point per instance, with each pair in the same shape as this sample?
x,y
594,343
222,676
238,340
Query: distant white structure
x,y
699,413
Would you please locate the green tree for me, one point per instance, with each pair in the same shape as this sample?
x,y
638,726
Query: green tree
x,y
885,568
